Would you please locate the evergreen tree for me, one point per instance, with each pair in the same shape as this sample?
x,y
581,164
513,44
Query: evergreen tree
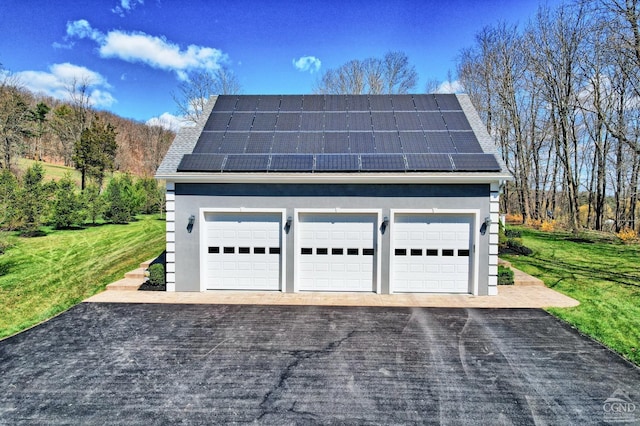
x,y
8,199
152,195
67,204
123,199
32,200
94,202
95,152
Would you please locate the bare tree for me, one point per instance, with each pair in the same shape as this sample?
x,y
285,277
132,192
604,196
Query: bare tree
x,y
391,74
192,95
15,126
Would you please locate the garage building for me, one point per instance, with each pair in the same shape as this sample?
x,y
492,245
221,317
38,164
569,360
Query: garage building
x,y
340,193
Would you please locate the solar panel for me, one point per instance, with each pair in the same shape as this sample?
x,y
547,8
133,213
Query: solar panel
x,y
241,121
291,103
425,103
387,142
310,142
403,103
335,103
313,103
291,163
456,120
475,162
380,103
201,163
209,142
338,162
259,142
358,103
383,121
336,142
335,121
288,121
439,142
225,103
264,121
269,103
432,120
466,142
413,142
234,142
284,142
408,120
218,121
359,121
246,163
375,162
429,162
361,142
447,102
312,121
247,103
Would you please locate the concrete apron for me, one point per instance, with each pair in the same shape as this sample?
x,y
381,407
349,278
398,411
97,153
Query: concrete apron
x,y
528,292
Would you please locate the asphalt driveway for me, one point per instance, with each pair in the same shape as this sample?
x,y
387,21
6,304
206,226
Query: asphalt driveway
x,y
207,364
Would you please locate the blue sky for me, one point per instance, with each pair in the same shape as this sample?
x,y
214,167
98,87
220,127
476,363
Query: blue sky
x,y
136,52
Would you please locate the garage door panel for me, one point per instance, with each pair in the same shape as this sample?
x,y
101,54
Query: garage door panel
x,y
431,253
243,251
338,246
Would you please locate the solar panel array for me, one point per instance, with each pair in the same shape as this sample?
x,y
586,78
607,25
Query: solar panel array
x,y
337,133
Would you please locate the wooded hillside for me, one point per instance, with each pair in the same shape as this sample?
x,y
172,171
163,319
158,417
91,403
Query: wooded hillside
x,y
43,128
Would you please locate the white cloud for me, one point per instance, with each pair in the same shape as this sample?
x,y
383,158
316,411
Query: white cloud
x,y
57,81
307,63
450,87
126,6
169,122
82,29
153,51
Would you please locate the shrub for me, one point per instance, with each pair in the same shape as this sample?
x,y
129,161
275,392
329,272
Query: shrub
x,y
513,218
156,274
627,235
502,236
505,275
548,226
515,246
534,223
512,233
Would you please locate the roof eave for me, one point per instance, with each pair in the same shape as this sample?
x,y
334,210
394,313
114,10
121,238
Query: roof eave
x,y
358,178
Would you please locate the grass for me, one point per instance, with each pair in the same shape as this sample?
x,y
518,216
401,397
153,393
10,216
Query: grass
x,y
51,171
43,276
598,271
57,171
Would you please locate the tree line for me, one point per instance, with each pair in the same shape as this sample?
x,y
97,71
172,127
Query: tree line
x,y
29,202
43,128
561,96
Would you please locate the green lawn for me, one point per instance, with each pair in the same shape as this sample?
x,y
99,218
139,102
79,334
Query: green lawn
x,y
43,276
601,273
51,171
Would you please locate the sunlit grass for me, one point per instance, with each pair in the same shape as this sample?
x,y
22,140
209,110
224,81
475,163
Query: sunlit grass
x,y
43,276
600,272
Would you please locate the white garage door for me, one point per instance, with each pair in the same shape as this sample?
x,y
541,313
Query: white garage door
x,y
242,251
431,253
336,252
